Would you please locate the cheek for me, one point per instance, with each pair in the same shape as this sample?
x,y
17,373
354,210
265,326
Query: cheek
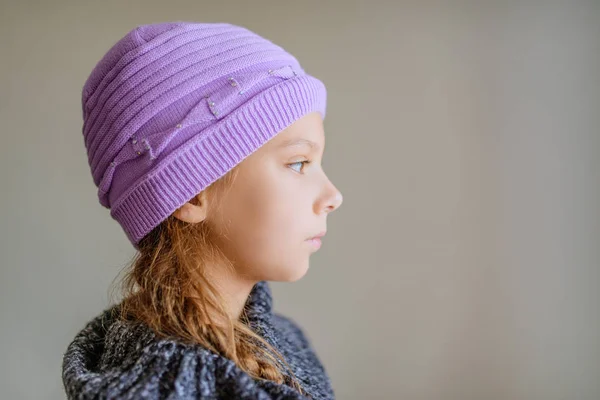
x,y
267,225
268,214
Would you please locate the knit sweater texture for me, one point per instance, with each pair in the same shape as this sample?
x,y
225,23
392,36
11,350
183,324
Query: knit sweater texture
x,y
114,359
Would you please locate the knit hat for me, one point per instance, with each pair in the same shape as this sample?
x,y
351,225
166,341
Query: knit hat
x,y
173,106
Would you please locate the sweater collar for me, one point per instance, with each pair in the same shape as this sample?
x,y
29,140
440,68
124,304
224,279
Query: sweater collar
x,y
259,304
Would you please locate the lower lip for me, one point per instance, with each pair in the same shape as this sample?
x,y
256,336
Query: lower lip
x,y
315,242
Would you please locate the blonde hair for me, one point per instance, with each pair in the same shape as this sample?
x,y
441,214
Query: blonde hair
x,y
166,287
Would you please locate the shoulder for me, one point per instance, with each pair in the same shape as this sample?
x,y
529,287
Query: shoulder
x,y
119,360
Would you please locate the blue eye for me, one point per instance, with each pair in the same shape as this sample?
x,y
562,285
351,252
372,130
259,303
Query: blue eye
x,y
301,163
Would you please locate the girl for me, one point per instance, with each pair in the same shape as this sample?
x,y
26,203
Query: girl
x,y
205,141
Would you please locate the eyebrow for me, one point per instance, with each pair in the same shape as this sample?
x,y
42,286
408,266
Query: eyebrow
x,y
300,142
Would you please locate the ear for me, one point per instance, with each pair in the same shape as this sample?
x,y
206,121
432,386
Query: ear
x,y
193,213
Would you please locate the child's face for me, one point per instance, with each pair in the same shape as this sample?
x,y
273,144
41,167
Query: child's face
x,y
276,203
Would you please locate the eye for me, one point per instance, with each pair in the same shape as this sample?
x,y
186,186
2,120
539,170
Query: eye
x,y
302,163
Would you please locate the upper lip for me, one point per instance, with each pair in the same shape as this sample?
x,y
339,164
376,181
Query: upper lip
x,y
318,235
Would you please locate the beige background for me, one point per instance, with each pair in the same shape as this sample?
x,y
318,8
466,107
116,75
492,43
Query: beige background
x,y
465,138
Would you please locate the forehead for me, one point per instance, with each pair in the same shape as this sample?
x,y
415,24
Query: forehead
x,y
306,131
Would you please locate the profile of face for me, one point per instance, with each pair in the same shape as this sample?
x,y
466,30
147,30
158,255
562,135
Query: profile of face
x,y
280,200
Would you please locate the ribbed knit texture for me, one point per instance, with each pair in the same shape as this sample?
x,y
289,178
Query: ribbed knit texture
x,y
173,106
111,359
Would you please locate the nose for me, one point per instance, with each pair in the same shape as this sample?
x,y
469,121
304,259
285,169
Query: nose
x,y
335,200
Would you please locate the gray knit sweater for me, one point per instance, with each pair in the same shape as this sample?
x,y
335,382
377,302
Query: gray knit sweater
x,y
111,359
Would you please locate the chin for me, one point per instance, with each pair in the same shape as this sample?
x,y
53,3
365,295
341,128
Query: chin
x,y
298,277
293,274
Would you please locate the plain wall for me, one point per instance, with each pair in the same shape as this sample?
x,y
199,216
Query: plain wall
x,y
465,138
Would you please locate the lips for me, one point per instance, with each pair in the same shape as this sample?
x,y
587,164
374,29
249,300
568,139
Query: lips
x,y
318,235
316,242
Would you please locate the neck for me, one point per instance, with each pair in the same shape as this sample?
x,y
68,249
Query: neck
x,y
234,292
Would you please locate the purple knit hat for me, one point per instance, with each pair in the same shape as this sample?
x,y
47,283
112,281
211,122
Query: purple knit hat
x,y
173,106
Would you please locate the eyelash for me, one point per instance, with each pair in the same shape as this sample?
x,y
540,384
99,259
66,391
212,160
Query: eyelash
x,y
305,162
